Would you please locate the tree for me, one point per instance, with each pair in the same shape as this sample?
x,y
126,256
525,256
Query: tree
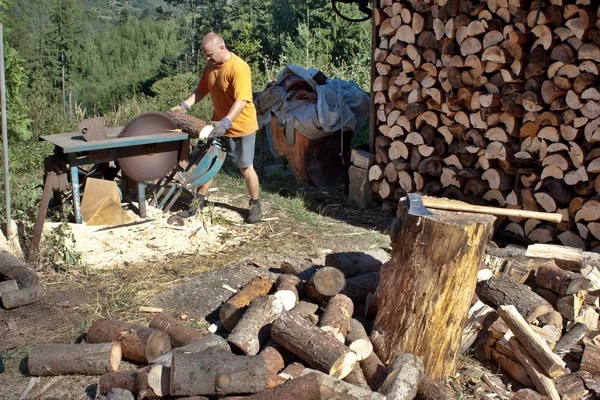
x,y
192,7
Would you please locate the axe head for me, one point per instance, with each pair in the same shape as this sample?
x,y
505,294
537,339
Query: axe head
x,y
416,207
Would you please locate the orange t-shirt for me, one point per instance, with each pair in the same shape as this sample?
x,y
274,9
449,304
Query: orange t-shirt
x,y
226,84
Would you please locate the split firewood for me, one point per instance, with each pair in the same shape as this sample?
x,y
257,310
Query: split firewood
x,y
138,343
356,263
404,377
232,310
198,346
358,340
528,394
550,363
513,368
64,359
564,282
325,283
569,306
571,387
180,333
23,297
249,333
214,371
591,358
336,317
314,346
286,289
570,339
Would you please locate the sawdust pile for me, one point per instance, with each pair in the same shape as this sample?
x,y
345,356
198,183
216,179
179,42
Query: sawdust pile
x,y
151,239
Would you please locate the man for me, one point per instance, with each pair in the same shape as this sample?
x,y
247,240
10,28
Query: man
x,y
227,79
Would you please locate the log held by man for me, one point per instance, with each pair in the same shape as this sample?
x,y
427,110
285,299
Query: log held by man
x,y
428,286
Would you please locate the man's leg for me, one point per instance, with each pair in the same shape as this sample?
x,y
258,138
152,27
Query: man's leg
x,y
245,160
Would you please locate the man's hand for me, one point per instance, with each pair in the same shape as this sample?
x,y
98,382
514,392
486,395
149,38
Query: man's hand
x,y
220,127
182,107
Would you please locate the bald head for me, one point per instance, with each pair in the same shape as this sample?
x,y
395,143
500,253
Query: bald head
x,y
213,47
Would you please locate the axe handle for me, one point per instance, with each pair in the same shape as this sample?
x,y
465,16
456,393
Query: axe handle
x,y
449,205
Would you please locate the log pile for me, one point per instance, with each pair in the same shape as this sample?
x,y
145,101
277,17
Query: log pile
x,y
541,310
494,103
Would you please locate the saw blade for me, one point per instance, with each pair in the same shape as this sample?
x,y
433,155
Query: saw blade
x,y
149,167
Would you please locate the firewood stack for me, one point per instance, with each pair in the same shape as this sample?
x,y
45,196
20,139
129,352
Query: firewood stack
x,y
493,102
545,336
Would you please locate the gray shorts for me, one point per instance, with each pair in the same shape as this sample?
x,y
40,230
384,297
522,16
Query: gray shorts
x,y
241,150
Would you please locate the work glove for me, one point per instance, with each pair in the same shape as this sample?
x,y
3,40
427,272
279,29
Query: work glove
x,y
182,107
219,127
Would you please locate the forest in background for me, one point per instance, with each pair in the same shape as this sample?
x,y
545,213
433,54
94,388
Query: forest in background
x,y
67,60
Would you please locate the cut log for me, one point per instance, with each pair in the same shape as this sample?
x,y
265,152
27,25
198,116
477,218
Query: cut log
x,y
120,379
336,317
564,282
187,123
13,268
569,306
249,333
292,371
215,372
23,297
307,310
138,343
403,380
374,370
199,346
307,387
325,283
571,387
358,340
502,290
443,324
286,290
314,346
332,388
180,333
358,287
63,359
232,310
565,257
274,363
354,263
152,382
514,369
8,286
550,363
528,394
357,377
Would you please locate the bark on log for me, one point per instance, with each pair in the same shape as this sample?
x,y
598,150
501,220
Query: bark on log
x,y
252,330
501,290
215,372
23,297
354,263
336,317
358,340
430,389
325,283
138,343
571,387
307,387
85,359
403,380
528,394
316,347
274,363
292,371
199,346
440,311
308,311
180,333
233,309
591,358
357,377
119,379
570,339
564,282
152,381
187,123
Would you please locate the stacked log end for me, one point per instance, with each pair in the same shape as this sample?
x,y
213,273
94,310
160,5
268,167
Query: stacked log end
x,y
492,103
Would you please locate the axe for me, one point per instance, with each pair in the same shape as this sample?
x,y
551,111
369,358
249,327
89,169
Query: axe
x,y
418,206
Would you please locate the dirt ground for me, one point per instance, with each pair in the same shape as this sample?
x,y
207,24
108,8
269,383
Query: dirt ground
x,y
121,269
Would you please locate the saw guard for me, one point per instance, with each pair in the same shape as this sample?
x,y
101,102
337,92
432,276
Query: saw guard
x,y
155,165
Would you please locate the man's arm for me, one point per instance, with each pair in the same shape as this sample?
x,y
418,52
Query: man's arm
x,y
194,98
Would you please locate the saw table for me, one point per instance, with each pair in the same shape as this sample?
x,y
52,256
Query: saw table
x,y
73,150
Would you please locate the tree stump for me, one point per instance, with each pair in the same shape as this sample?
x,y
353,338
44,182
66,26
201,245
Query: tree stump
x,y
426,290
